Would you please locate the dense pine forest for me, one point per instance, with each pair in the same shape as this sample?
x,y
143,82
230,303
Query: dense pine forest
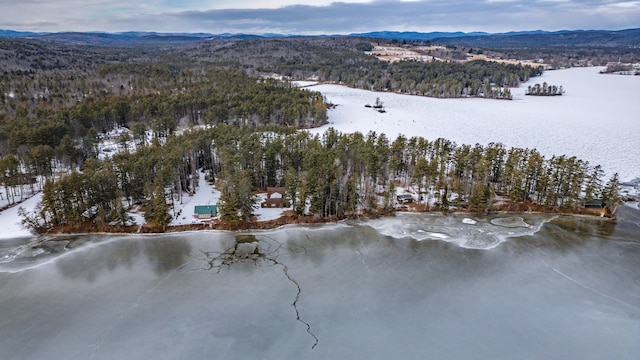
x,y
226,108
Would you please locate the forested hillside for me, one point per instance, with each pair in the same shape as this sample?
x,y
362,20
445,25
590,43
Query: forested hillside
x,y
339,60
63,98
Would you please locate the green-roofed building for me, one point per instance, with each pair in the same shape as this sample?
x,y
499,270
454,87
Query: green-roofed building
x,y
205,211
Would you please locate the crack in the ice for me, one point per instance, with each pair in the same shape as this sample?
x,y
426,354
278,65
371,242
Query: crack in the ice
x,y
219,260
590,288
285,270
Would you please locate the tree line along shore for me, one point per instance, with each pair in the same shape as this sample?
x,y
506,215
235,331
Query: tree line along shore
x,y
333,176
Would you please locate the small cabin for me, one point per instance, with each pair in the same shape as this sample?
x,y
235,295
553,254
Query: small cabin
x,y
404,198
275,198
205,211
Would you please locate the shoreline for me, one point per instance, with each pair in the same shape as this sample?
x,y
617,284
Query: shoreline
x,y
333,105
284,221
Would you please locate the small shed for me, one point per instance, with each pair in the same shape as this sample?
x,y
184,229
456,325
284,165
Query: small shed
x,y
205,211
275,197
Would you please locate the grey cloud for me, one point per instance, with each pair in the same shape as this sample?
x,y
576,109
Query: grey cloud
x,y
424,15
420,15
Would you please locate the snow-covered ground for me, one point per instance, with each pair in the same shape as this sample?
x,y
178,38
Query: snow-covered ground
x,y
205,195
264,214
597,120
110,143
10,226
209,195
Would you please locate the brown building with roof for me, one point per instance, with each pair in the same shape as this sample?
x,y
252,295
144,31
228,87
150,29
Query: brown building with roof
x,y
275,197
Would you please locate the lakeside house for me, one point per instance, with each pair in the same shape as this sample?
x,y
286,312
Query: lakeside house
x,y
275,198
205,212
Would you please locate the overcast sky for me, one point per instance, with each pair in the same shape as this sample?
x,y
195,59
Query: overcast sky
x,y
316,16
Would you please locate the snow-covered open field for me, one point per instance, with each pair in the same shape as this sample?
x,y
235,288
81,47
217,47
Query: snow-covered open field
x,y
597,120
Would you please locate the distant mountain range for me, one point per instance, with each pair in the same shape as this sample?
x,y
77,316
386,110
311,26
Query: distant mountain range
x,y
628,37
573,38
123,38
412,35
11,33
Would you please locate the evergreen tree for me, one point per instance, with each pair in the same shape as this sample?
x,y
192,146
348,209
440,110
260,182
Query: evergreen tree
x,y
139,131
9,174
292,184
420,173
246,197
480,199
593,185
156,207
118,213
236,199
389,195
610,194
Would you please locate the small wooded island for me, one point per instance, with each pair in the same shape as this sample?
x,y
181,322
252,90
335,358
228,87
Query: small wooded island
x,y
544,90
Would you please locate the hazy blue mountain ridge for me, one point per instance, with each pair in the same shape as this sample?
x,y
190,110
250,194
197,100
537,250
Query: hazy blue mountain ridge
x,y
627,37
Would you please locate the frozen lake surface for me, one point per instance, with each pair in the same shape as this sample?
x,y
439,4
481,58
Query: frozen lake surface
x,y
597,120
393,288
